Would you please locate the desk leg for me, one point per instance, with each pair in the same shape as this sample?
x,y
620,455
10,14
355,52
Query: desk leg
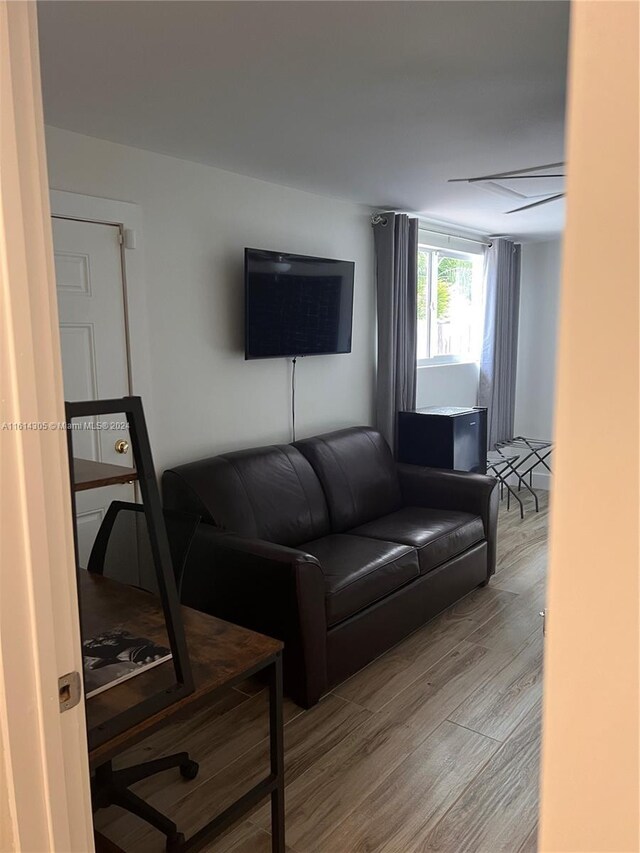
x,y
277,755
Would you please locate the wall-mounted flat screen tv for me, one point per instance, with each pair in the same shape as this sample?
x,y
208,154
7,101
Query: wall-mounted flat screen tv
x,y
296,305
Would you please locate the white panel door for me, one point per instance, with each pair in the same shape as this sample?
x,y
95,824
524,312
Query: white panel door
x,y
88,263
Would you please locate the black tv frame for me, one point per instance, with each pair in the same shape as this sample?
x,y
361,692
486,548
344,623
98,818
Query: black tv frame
x,y
303,258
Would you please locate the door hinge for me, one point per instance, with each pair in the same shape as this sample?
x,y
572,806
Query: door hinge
x,y
69,690
130,239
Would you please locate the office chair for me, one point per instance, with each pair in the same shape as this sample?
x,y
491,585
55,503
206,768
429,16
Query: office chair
x,y
120,550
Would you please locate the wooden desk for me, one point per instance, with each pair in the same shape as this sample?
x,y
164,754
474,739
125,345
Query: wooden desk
x,y
221,654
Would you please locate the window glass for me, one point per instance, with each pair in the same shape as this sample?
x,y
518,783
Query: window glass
x,y
449,305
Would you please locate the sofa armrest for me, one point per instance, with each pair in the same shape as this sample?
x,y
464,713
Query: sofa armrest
x,y
269,588
260,549
437,488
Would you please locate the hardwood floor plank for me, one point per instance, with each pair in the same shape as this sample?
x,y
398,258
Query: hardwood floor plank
x,y
244,837
384,678
218,745
522,576
429,700
510,629
522,549
530,844
164,740
415,795
342,779
480,604
251,686
498,810
307,738
497,707
253,840
232,838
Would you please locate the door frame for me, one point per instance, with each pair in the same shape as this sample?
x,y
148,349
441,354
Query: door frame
x,y
45,799
128,218
590,798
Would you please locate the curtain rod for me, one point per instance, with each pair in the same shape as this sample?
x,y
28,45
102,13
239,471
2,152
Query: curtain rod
x,y
381,219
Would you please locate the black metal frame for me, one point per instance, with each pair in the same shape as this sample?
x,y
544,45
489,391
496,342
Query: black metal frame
x,y
178,561
132,408
272,786
535,448
512,465
494,470
110,787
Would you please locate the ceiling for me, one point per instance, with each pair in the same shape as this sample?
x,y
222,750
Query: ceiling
x,y
375,102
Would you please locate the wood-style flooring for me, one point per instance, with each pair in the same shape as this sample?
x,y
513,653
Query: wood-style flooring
x,y
432,747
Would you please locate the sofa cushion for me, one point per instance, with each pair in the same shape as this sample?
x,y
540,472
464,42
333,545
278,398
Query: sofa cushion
x,y
359,571
438,534
358,475
267,493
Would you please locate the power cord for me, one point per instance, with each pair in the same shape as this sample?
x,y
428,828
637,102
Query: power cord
x,y
293,395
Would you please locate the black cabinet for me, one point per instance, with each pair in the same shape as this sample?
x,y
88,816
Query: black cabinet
x,y
444,437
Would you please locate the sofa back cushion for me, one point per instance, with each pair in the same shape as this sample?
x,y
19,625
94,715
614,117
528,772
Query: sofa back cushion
x,y
357,472
267,493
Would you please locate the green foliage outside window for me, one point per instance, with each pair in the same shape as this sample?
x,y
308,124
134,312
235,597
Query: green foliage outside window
x,y
453,274
423,272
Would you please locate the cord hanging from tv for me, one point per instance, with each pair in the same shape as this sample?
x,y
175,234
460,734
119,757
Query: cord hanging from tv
x,y
296,305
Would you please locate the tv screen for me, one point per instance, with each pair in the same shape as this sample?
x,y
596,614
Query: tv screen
x,y
296,305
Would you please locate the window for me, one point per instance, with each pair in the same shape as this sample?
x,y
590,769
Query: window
x,y
450,305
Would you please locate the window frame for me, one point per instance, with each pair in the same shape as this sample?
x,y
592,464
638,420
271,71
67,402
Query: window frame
x,y
437,252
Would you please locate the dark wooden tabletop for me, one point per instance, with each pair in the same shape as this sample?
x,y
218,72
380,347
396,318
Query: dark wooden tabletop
x,y
221,654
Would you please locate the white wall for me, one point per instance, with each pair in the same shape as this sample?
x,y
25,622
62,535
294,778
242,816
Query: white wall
x,y
537,334
197,220
538,329
447,385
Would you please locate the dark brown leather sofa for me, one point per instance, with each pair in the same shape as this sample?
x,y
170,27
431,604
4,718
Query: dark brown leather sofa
x,y
331,546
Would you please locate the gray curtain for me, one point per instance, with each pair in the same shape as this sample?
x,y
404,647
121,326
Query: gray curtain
x,y
497,388
396,249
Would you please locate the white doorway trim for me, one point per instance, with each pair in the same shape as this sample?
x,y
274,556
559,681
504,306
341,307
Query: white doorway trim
x,y
44,772
129,217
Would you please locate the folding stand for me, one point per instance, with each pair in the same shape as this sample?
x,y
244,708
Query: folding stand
x,y
500,467
536,452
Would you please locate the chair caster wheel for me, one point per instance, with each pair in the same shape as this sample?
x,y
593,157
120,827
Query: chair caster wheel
x,y
175,841
189,770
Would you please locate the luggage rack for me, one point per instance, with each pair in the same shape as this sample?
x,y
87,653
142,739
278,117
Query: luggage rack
x,y
500,466
532,453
